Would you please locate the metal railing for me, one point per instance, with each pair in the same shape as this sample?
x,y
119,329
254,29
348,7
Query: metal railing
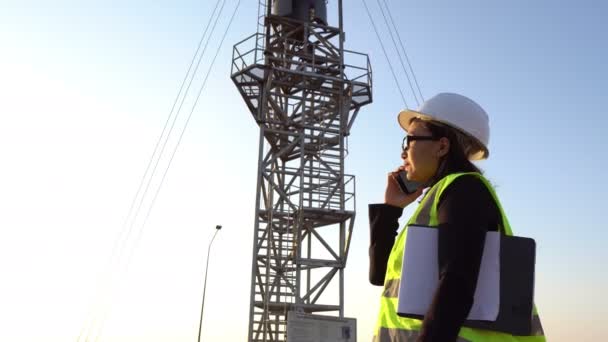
x,y
321,189
248,52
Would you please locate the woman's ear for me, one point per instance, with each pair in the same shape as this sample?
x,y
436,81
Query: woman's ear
x,y
444,147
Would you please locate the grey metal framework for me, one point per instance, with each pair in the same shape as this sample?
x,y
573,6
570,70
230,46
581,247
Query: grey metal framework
x,y
304,91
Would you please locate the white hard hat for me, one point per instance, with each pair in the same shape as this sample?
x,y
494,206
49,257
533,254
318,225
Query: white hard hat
x,y
456,111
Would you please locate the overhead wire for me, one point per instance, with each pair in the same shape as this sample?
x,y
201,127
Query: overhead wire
x,y
125,233
152,157
385,54
187,121
390,31
404,51
139,234
178,113
138,237
129,250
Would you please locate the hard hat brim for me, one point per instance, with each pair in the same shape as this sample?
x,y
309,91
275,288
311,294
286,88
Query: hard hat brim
x,y
405,117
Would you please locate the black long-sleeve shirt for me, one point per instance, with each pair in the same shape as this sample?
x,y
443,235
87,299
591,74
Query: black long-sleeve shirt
x,y
466,212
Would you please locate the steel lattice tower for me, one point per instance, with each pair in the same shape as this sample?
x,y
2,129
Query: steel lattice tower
x,y
304,91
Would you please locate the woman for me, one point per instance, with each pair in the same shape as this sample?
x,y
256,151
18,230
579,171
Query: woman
x,y
443,136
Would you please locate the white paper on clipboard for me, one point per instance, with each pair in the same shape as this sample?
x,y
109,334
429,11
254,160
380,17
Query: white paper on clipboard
x,y
420,275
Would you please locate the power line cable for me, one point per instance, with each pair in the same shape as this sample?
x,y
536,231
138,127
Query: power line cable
x,y
176,116
139,235
385,54
129,249
390,31
171,113
118,246
190,115
403,48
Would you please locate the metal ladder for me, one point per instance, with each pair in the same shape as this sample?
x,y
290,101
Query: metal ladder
x,y
261,36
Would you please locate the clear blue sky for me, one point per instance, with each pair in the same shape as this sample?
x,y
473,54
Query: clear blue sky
x,y
85,88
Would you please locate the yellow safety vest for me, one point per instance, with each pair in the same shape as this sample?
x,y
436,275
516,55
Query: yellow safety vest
x,y
390,326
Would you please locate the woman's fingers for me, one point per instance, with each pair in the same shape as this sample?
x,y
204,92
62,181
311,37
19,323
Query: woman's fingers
x,y
393,179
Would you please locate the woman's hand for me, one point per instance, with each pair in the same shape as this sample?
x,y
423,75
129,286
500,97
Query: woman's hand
x,y
394,195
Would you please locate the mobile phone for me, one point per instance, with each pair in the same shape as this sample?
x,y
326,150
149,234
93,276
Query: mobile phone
x,y
407,186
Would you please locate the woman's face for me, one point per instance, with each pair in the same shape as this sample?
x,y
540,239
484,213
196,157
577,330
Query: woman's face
x,y
422,157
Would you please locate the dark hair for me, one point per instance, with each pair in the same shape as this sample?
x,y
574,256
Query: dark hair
x,y
456,160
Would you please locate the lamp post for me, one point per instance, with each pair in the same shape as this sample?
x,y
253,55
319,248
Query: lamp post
x,y
200,326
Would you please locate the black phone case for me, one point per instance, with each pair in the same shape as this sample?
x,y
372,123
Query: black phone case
x,y
407,188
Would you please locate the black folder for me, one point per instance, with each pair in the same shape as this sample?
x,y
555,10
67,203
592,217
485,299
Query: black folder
x,y
517,262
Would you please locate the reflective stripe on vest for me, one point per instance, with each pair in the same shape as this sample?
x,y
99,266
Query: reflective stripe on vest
x,y
390,335
391,327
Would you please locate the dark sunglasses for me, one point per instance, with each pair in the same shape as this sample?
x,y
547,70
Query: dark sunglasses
x,y
409,138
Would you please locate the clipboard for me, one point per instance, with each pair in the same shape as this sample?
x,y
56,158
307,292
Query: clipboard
x,y
503,299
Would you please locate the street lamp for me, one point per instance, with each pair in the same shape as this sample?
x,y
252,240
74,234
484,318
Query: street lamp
x,y
200,326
